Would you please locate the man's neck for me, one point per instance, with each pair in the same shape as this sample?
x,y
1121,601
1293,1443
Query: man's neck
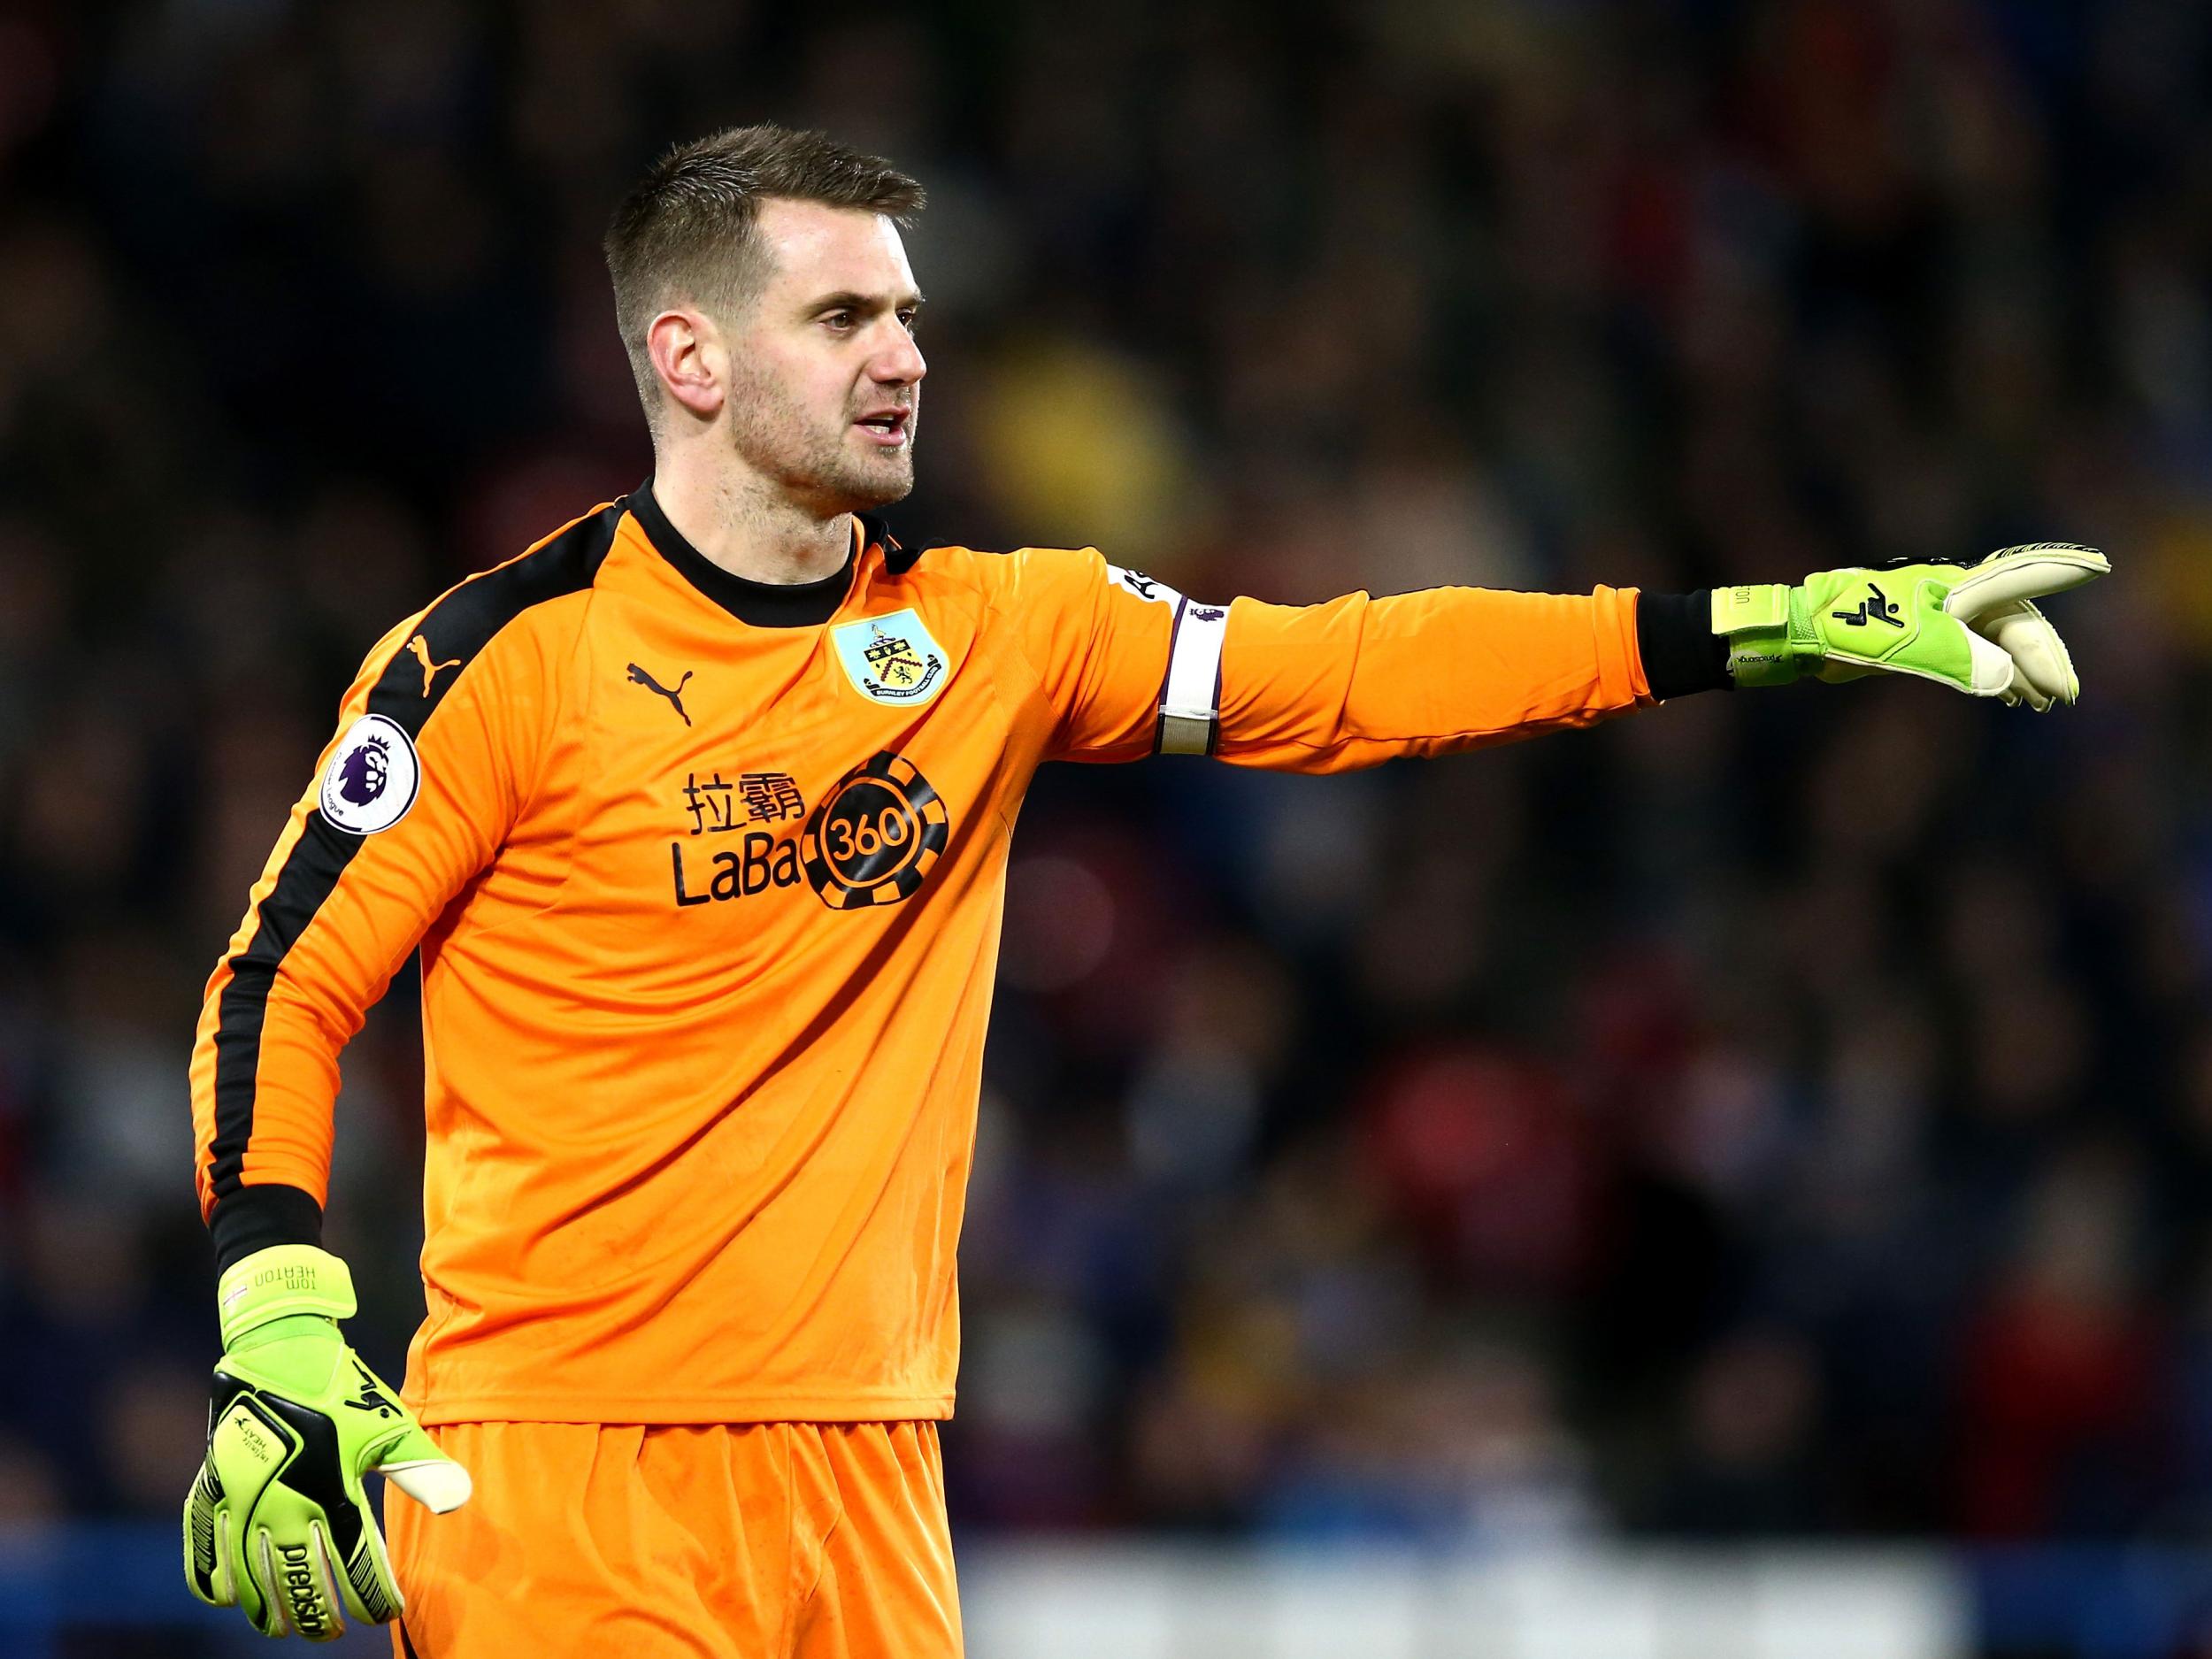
x,y
748,529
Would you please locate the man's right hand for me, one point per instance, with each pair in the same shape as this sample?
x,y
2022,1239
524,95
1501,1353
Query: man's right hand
x,y
277,1523
1972,627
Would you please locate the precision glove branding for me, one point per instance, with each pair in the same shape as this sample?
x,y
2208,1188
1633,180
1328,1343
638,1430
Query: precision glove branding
x,y
308,1618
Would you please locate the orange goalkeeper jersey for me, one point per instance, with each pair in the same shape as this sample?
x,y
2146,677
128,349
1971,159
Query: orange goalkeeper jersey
x,y
706,875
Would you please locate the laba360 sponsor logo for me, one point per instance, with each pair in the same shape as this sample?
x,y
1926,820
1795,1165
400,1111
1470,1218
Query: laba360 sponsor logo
x,y
759,862
872,840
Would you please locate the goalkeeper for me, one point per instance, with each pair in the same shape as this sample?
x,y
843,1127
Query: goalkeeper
x,y
698,812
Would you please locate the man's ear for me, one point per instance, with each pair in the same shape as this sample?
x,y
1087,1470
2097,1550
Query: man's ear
x,y
687,355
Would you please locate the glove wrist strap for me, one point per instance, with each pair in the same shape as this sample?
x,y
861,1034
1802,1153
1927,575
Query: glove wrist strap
x,y
1770,641
319,1326
278,1282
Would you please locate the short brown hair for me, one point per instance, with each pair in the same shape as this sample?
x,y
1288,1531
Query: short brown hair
x,y
686,232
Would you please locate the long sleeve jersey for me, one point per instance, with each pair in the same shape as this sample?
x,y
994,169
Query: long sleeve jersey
x,y
706,876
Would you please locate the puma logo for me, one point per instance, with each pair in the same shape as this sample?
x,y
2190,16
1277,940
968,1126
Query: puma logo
x,y
421,649
1875,607
639,677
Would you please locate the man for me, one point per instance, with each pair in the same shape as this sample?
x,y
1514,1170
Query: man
x,y
698,812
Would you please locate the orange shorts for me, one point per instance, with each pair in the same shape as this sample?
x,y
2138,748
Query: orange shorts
x,y
761,1541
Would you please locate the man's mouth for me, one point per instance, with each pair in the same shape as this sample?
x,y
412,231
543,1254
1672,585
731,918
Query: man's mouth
x,y
889,427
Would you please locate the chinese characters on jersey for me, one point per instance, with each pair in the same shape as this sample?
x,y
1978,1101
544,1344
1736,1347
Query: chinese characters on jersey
x,y
717,805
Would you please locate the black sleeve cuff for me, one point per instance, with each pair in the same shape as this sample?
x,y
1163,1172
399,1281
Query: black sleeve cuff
x,y
1681,652
255,1218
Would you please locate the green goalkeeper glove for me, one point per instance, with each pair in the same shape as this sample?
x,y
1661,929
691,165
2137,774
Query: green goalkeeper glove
x,y
1973,627
277,1523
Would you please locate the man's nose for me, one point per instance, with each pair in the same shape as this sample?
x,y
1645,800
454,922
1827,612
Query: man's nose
x,y
899,363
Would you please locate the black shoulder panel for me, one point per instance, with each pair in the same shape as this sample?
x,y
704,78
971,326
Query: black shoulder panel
x,y
462,622
414,682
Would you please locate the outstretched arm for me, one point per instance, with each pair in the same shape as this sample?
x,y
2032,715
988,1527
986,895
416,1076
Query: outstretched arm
x,y
1130,667
1359,681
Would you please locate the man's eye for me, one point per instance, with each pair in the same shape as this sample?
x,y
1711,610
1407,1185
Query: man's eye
x,y
839,319
906,320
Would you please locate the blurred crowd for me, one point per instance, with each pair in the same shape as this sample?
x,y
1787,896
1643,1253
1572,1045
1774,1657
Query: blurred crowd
x,y
1786,1113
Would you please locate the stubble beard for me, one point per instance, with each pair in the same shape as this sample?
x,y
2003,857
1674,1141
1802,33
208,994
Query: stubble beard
x,y
817,468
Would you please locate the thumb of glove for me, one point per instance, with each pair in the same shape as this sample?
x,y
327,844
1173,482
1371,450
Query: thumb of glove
x,y
418,1468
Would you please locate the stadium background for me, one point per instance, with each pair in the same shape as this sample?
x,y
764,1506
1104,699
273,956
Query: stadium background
x,y
1776,1119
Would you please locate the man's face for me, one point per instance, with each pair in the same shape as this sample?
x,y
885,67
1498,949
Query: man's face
x,y
826,380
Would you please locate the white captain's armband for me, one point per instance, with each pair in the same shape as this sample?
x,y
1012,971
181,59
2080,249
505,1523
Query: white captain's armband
x,y
1190,691
1190,695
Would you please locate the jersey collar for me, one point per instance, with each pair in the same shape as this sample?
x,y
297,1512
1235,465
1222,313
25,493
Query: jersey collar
x,y
761,604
